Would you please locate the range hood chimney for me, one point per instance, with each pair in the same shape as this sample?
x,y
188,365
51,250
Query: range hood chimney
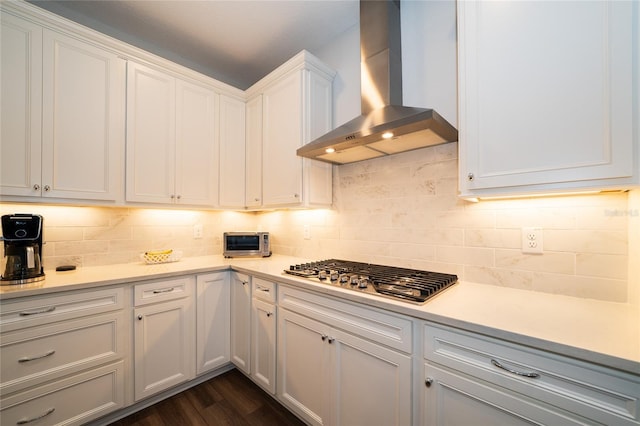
x,y
385,126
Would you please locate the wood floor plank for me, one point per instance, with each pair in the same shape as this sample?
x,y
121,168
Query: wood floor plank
x,y
230,399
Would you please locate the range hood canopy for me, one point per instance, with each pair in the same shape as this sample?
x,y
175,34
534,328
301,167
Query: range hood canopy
x,y
385,126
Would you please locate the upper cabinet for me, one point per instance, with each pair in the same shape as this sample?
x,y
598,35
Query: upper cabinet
x,y
253,163
62,119
296,104
232,152
172,146
549,95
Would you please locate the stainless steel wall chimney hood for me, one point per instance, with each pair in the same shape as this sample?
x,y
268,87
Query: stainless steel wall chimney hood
x,y
385,126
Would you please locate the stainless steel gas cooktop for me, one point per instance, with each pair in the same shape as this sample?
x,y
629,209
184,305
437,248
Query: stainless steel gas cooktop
x,y
409,285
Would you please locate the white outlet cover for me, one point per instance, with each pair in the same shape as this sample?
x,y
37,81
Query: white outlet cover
x,y
532,241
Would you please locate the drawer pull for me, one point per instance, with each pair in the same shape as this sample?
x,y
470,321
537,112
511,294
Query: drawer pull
x,y
261,288
25,421
518,373
39,311
166,290
33,358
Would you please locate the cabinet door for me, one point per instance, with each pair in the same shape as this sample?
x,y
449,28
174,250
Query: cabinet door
x,y
232,152
254,152
241,321
164,345
212,321
83,120
304,380
377,377
196,155
21,106
546,95
282,132
263,344
453,399
150,135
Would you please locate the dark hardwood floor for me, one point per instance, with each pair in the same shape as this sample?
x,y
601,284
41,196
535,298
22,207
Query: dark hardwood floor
x,y
229,399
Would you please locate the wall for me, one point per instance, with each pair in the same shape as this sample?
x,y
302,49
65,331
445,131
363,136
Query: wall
x,y
89,236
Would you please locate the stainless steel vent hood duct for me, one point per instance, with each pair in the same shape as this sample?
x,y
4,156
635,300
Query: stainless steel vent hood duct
x,y
369,135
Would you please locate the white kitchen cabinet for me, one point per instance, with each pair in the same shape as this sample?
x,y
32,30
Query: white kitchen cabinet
x,y
333,363
296,108
164,335
232,152
469,376
263,334
63,357
253,177
240,287
62,115
172,148
548,96
212,321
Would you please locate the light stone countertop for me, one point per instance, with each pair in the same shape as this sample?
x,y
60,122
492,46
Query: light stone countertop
x,y
601,332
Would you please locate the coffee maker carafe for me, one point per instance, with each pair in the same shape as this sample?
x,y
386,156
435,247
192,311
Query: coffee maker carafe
x,y
22,262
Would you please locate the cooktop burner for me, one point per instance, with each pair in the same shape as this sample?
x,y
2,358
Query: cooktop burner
x,y
410,285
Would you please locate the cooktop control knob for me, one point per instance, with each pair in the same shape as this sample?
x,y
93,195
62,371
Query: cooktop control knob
x,y
322,275
334,275
354,280
363,282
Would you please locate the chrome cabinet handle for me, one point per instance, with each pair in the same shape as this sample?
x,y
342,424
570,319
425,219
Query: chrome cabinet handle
x,y
140,317
470,177
25,421
179,196
47,188
36,187
33,358
166,290
39,311
261,288
244,282
269,314
517,373
331,340
428,382
324,337
296,195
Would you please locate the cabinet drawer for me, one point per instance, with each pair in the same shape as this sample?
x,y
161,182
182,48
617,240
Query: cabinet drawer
x,y
161,291
68,305
30,357
72,401
367,322
598,393
265,290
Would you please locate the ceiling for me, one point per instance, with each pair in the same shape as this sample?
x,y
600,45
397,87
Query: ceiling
x,y
234,41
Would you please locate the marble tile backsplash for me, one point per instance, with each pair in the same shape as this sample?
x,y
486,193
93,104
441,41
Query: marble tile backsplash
x,y
400,210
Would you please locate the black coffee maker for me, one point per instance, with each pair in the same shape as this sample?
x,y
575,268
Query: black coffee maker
x,y
22,262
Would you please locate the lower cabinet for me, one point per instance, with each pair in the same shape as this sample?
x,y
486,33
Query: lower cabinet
x,y
164,335
475,379
263,334
330,376
212,321
240,288
63,357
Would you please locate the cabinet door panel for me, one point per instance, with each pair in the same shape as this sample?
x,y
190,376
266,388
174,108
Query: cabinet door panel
x,y
263,344
379,378
212,321
254,152
159,331
150,135
196,145
304,384
546,95
83,120
21,106
455,400
282,109
232,152
241,321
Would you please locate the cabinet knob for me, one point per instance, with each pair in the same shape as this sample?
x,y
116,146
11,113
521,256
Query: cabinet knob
x,y
244,283
296,195
179,196
173,196
47,187
140,317
256,199
324,337
331,340
36,187
470,176
428,382
269,314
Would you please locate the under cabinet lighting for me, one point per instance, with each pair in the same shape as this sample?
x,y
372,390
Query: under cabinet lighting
x,y
387,135
330,150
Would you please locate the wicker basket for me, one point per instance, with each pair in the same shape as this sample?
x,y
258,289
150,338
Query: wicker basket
x,y
151,258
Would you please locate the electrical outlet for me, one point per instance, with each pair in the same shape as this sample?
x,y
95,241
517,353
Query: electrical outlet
x,y
306,232
532,240
198,231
